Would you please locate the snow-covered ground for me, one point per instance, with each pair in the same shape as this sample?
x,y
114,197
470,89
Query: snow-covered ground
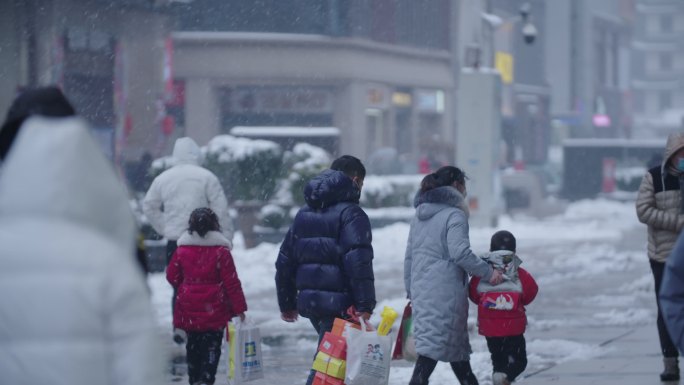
x,y
590,264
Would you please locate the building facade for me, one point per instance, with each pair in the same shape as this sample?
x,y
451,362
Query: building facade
x,y
380,72
588,66
108,60
525,91
658,66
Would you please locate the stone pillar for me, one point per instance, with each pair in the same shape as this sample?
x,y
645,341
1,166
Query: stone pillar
x,y
10,58
202,113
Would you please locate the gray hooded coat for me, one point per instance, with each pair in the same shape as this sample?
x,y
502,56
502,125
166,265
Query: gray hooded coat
x,y
438,260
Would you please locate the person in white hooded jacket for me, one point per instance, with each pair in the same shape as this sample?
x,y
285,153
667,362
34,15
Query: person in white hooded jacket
x,y
186,186
74,307
176,192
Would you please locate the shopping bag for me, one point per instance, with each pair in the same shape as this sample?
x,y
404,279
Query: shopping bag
x,y
244,352
408,342
368,356
340,324
405,346
331,356
398,352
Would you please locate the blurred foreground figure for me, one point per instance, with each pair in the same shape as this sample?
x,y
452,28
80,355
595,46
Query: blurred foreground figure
x,y
73,309
44,101
672,294
659,206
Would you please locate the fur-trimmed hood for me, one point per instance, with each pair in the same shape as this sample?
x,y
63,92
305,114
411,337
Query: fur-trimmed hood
x,y
508,263
504,260
431,202
212,238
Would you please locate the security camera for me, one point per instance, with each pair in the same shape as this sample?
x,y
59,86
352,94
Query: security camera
x,y
529,32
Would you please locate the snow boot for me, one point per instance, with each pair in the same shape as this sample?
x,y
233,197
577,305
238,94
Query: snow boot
x,y
499,378
179,336
671,372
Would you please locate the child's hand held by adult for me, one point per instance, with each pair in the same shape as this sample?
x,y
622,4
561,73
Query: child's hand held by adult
x,y
496,278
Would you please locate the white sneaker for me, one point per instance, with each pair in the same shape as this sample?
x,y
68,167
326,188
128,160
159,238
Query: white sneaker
x,y
179,336
499,378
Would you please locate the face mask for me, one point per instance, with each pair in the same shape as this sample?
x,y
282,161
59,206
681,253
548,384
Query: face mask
x,y
680,164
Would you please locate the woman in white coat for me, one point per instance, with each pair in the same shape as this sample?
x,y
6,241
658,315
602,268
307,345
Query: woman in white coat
x,y
436,267
74,307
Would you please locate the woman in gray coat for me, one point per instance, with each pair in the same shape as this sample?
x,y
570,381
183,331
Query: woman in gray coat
x,y
436,267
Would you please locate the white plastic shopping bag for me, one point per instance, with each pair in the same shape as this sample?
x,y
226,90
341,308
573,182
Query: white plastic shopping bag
x,y
244,352
368,356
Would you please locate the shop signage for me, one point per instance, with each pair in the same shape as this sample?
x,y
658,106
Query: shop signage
x,y
377,96
401,99
504,64
316,100
430,101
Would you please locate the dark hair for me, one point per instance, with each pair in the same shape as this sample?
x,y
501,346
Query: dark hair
x,y
445,176
502,240
202,221
45,101
351,166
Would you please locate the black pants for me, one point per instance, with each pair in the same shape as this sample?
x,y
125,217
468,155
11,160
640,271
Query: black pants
x,y
425,366
667,347
509,355
321,325
171,247
203,354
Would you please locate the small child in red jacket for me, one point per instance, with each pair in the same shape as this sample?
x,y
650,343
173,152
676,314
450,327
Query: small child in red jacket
x,y
209,292
501,309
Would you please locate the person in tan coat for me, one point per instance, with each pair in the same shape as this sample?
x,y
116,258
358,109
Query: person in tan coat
x,y
659,205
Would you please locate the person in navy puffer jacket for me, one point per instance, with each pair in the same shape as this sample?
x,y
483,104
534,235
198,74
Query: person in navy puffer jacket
x,y
325,264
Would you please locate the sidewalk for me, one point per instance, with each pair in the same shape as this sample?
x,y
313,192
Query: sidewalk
x,y
633,359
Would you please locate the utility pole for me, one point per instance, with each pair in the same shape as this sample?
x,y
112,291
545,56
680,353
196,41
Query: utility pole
x,y
478,112
478,135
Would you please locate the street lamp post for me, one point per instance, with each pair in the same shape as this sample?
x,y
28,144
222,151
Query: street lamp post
x,y
478,134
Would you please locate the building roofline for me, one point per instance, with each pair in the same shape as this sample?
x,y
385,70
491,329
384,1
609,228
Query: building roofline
x,y
659,9
269,38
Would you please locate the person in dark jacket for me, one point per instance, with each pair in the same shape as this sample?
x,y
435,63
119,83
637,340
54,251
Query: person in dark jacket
x,y
325,264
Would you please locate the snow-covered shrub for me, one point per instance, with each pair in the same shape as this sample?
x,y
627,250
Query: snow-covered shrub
x,y
273,216
302,163
629,178
248,169
160,165
390,190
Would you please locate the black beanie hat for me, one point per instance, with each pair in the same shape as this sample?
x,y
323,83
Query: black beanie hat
x,y
45,101
502,240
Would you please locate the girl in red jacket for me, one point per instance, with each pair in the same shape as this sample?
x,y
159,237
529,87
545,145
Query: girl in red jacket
x,y
209,292
501,309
